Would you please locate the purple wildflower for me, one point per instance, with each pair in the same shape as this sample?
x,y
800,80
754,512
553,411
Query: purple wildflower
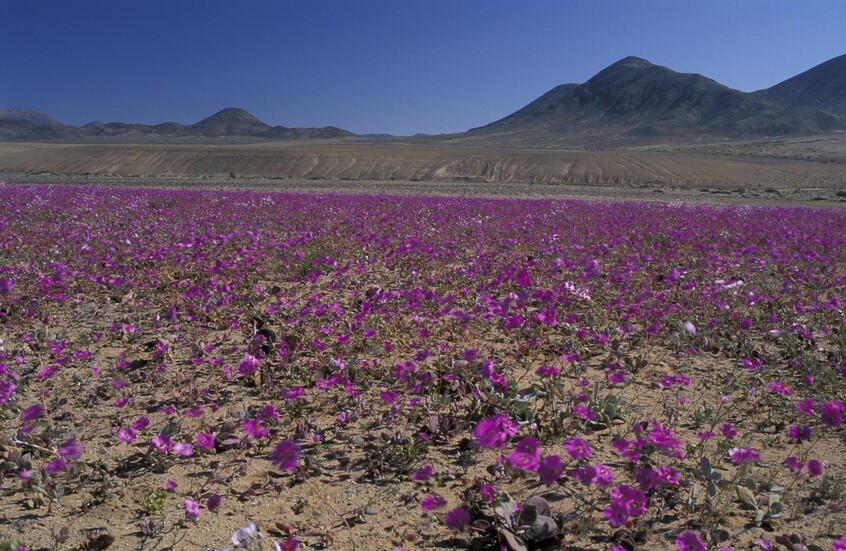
x,y
32,412
432,503
689,542
493,432
525,454
423,474
457,519
831,413
285,455
577,448
740,456
550,469
192,509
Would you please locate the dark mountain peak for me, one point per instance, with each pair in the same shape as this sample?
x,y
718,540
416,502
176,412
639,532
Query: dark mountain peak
x,y
233,114
635,100
822,87
231,121
630,62
27,115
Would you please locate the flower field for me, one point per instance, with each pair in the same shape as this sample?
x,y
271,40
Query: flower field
x,y
206,369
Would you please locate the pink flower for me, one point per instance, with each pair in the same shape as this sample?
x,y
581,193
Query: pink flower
x,y
423,474
204,440
814,467
689,542
432,503
550,469
213,502
192,509
625,502
285,455
522,278
183,449
71,449
806,407
727,431
488,492
170,485
831,413
525,454
32,412
140,424
126,435
162,443
457,519
494,431
56,465
793,463
739,456
577,448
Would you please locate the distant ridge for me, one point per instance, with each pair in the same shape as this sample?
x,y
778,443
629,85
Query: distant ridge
x,y
27,115
822,87
232,122
634,101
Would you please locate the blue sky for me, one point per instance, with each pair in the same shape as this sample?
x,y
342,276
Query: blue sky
x,y
395,66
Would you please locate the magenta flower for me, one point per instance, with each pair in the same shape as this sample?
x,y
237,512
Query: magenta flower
x,y
162,443
213,502
6,286
525,455
545,371
806,407
493,432
831,413
140,424
389,396
32,412
814,468
56,465
689,542
192,509
793,463
522,278
71,449
550,469
800,434
625,502
254,428
204,440
423,474
457,519
126,435
577,448
740,456
285,455
248,365
728,431
604,475
488,492
170,485
183,449
432,503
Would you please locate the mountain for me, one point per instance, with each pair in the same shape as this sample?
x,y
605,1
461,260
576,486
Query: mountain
x,y
232,123
822,87
27,115
229,122
633,101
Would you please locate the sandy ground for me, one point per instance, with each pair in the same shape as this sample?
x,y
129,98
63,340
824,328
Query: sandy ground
x,y
401,167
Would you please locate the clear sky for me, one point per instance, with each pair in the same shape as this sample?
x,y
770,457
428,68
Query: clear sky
x,y
393,66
